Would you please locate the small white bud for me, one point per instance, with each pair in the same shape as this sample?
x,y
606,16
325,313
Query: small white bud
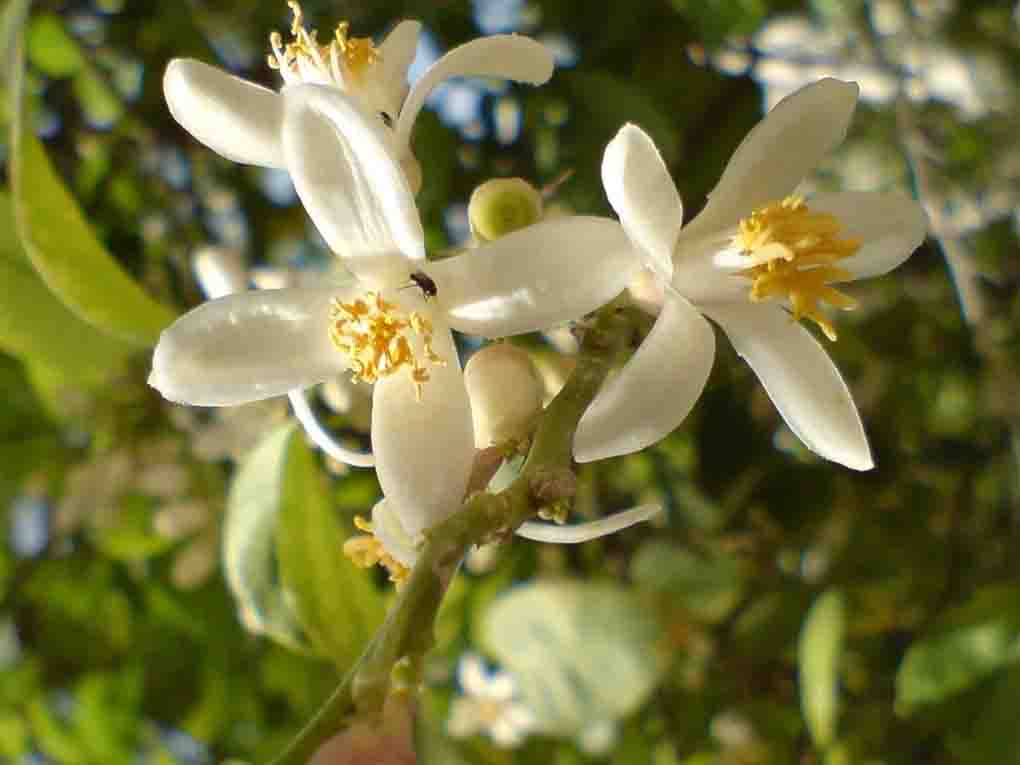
x,y
502,206
219,271
505,391
353,399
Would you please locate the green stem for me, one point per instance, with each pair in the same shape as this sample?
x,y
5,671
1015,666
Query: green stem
x,y
408,629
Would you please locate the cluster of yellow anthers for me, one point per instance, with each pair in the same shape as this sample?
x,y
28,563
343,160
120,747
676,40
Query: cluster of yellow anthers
x,y
342,56
793,251
374,334
366,551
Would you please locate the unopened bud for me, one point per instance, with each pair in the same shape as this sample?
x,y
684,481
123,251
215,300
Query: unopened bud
x,y
389,741
505,391
219,271
352,399
502,206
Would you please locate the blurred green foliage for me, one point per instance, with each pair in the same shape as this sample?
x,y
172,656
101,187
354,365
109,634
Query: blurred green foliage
x,y
787,611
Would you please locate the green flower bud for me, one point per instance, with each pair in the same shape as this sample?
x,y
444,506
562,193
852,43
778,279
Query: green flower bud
x,y
502,206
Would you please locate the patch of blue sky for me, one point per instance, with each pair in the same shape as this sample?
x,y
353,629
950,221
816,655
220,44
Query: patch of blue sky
x,y
29,526
500,16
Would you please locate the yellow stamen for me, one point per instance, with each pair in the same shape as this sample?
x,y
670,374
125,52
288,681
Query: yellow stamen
x,y
342,58
792,252
376,335
358,52
366,551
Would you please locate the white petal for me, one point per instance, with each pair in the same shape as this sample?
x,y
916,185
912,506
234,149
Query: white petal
x,y
463,720
891,224
472,675
424,449
536,277
500,687
352,188
576,533
505,734
248,346
509,57
656,388
387,528
322,438
644,196
235,118
395,57
800,378
778,153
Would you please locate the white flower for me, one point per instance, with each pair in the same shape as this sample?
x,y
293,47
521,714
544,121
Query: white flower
x,y
488,705
242,120
387,328
751,244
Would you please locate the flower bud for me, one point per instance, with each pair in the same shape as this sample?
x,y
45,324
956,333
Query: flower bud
x,y
219,271
505,391
502,206
389,741
352,399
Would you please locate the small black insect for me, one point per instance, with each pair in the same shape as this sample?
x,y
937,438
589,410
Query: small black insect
x,y
387,119
425,284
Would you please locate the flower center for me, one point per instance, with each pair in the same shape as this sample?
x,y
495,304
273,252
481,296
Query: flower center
x,y
365,551
376,335
343,60
791,252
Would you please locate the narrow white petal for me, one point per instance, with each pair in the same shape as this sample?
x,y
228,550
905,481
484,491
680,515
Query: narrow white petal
x,y
248,346
655,390
891,225
395,57
235,118
778,153
322,438
800,378
573,534
352,188
424,449
509,57
536,277
644,196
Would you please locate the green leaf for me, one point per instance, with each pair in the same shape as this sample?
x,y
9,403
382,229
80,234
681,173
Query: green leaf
x,y
101,105
62,246
708,586
996,736
607,101
584,654
955,659
39,329
820,655
51,49
336,601
249,533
